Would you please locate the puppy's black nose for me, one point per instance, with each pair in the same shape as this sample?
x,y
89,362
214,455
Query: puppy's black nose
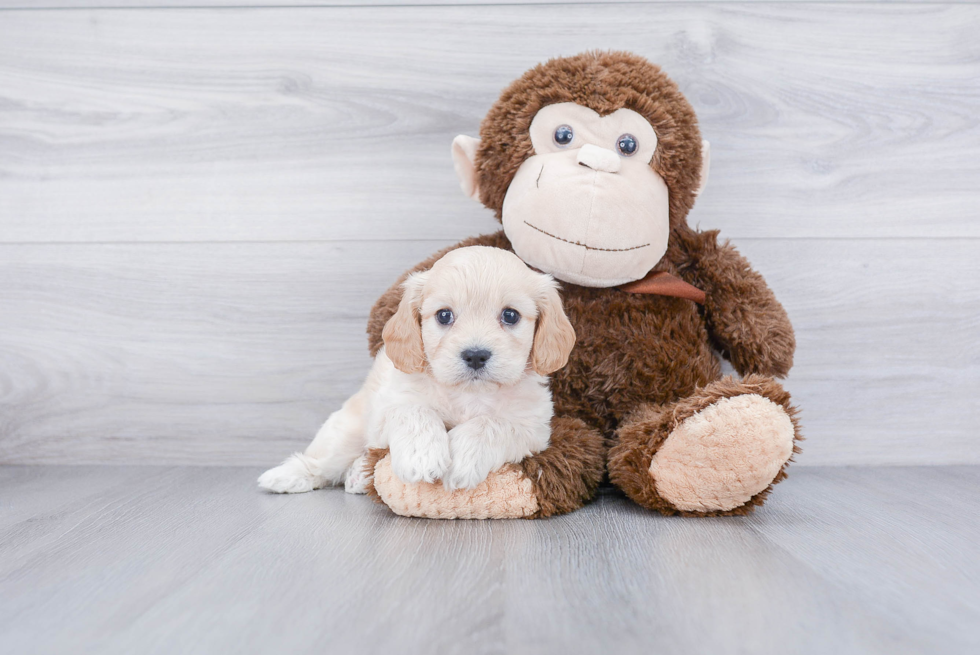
x,y
476,358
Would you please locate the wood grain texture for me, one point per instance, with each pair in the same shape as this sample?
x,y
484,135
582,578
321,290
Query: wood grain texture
x,y
335,123
194,560
234,353
199,206
238,4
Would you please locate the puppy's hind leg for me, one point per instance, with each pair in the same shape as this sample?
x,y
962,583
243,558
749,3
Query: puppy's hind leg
x,y
358,477
297,474
337,444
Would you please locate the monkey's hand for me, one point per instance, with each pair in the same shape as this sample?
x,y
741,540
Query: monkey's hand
x,y
747,324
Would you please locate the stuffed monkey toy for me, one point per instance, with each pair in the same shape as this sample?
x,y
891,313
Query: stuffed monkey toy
x,y
592,163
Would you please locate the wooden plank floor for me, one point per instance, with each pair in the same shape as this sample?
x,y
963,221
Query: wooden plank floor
x,y
196,560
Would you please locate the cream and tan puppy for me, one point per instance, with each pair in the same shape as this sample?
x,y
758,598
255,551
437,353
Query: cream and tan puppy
x,y
459,388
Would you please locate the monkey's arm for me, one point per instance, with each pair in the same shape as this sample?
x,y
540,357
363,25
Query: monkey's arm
x,y
747,324
387,304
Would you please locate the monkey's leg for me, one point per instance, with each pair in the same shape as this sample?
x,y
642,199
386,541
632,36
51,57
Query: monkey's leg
x,y
560,479
717,452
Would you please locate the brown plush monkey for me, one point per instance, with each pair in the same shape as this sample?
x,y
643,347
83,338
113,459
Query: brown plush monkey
x,y
592,164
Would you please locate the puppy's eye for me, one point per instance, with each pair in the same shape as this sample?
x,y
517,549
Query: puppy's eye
x,y
510,316
564,135
627,145
445,317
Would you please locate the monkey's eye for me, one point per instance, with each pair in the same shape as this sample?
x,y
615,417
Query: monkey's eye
x,y
564,135
627,145
510,316
445,317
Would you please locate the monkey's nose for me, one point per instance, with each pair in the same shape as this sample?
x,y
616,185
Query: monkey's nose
x,y
475,358
598,159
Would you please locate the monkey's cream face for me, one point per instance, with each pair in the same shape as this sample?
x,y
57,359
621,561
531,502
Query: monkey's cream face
x,y
586,207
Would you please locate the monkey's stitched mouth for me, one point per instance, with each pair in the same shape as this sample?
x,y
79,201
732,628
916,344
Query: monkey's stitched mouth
x,y
587,247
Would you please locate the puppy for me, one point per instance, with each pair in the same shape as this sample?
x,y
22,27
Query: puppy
x,y
459,388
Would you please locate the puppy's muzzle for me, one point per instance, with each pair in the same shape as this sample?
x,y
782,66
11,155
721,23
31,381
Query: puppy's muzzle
x,y
476,358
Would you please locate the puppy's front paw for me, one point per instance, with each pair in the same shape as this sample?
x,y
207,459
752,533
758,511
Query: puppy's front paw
x,y
465,475
421,462
296,475
473,461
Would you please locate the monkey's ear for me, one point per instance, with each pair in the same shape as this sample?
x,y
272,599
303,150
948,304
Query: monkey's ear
x,y
464,161
705,164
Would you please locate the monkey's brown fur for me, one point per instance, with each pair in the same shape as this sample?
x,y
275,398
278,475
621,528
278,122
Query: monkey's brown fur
x,y
642,363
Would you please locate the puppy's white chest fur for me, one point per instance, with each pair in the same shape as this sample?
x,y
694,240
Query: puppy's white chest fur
x,y
527,403
458,433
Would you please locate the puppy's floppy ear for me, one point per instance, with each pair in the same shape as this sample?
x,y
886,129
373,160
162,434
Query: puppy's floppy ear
x,y
554,336
403,331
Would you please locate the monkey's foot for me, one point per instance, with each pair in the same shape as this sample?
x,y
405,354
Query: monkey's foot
x,y
717,452
557,480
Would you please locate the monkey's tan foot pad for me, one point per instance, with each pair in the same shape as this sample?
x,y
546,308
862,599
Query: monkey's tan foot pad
x,y
505,494
722,456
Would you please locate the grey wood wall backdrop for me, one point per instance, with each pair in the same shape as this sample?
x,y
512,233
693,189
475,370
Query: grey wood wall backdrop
x,y
199,205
